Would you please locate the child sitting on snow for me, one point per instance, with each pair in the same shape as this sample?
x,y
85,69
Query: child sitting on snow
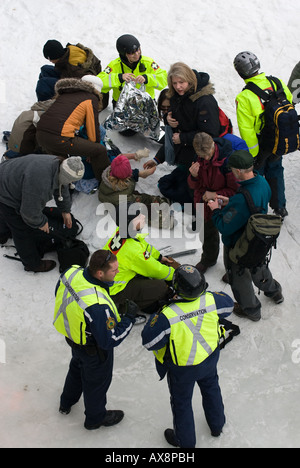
x,y
120,179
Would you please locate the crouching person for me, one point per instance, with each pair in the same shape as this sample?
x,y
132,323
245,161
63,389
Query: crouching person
x,y
185,336
89,319
26,185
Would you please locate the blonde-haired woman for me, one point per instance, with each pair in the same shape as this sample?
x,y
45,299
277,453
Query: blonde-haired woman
x,y
193,109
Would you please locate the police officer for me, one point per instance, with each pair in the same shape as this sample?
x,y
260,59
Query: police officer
x,y
88,318
185,339
132,65
249,109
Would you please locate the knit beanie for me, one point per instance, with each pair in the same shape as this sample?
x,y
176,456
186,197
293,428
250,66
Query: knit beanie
x,y
53,50
120,167
71,170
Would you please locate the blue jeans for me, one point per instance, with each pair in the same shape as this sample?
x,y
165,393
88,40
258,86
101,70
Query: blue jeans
x,y
89,376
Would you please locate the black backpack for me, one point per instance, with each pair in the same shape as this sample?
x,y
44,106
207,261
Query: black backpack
x,y
70,251
253,248
280,131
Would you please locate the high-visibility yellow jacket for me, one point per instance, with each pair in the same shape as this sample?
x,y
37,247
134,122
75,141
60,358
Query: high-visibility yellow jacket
x,y
83,307
249,111
156,77
195,331
136,256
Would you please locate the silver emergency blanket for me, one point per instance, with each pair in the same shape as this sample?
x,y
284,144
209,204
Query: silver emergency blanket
x,y
135,110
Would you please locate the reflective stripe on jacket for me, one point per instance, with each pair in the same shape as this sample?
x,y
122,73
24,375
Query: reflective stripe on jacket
x,y
136,257
195,331
156,76
74,295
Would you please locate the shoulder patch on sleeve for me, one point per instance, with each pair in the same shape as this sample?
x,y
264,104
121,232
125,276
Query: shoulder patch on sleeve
x,y
110,323
231,213
108,70
155,66
116,243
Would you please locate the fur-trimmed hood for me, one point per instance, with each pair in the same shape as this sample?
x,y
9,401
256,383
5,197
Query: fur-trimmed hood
x,y
71,85
204,88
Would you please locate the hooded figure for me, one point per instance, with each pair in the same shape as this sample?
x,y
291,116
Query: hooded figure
x,y
75,108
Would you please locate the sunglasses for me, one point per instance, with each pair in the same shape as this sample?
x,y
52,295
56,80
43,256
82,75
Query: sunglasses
x,y
108,257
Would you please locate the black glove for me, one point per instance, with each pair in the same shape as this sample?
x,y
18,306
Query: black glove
x,y
131,309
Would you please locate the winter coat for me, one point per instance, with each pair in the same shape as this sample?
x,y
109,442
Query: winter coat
x,y
77,62
136,257
232,219
77,104
196,112
27,184
214,175
249,111
110,189
156,77
22,138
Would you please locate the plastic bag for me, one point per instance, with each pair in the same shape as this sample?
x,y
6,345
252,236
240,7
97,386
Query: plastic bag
x,y
135,110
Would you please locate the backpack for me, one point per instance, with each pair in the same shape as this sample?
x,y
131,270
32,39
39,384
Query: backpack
x,y
225,123
280,133
253,248
70,251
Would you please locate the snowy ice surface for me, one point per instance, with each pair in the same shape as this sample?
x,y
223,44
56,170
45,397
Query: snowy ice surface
x,y
259,369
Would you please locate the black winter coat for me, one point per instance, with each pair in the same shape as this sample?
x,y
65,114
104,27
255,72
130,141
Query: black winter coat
x,y
195,112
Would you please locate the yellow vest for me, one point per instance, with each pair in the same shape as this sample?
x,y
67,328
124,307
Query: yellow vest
x,y
74,295
195,331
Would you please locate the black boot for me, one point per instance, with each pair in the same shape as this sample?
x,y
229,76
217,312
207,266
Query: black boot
x,y
171,438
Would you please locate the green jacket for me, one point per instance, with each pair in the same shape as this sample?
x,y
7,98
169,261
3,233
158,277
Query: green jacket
x,y
156,77
136,257
249,111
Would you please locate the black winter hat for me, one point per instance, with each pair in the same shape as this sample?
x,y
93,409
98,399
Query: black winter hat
x,y
53,50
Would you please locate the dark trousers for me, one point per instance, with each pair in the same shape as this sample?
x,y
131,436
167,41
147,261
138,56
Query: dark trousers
x,y
241,281
24,237
90,376
145,292
211,244
274,174
60,146
181,381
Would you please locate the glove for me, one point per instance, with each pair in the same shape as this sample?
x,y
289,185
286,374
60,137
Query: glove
x,y
142,153
131,309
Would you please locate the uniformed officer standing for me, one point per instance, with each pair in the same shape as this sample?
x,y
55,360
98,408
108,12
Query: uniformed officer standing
x,y
87,316
185,339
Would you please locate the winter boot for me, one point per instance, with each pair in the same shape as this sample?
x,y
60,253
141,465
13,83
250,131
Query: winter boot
x,y
277,297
